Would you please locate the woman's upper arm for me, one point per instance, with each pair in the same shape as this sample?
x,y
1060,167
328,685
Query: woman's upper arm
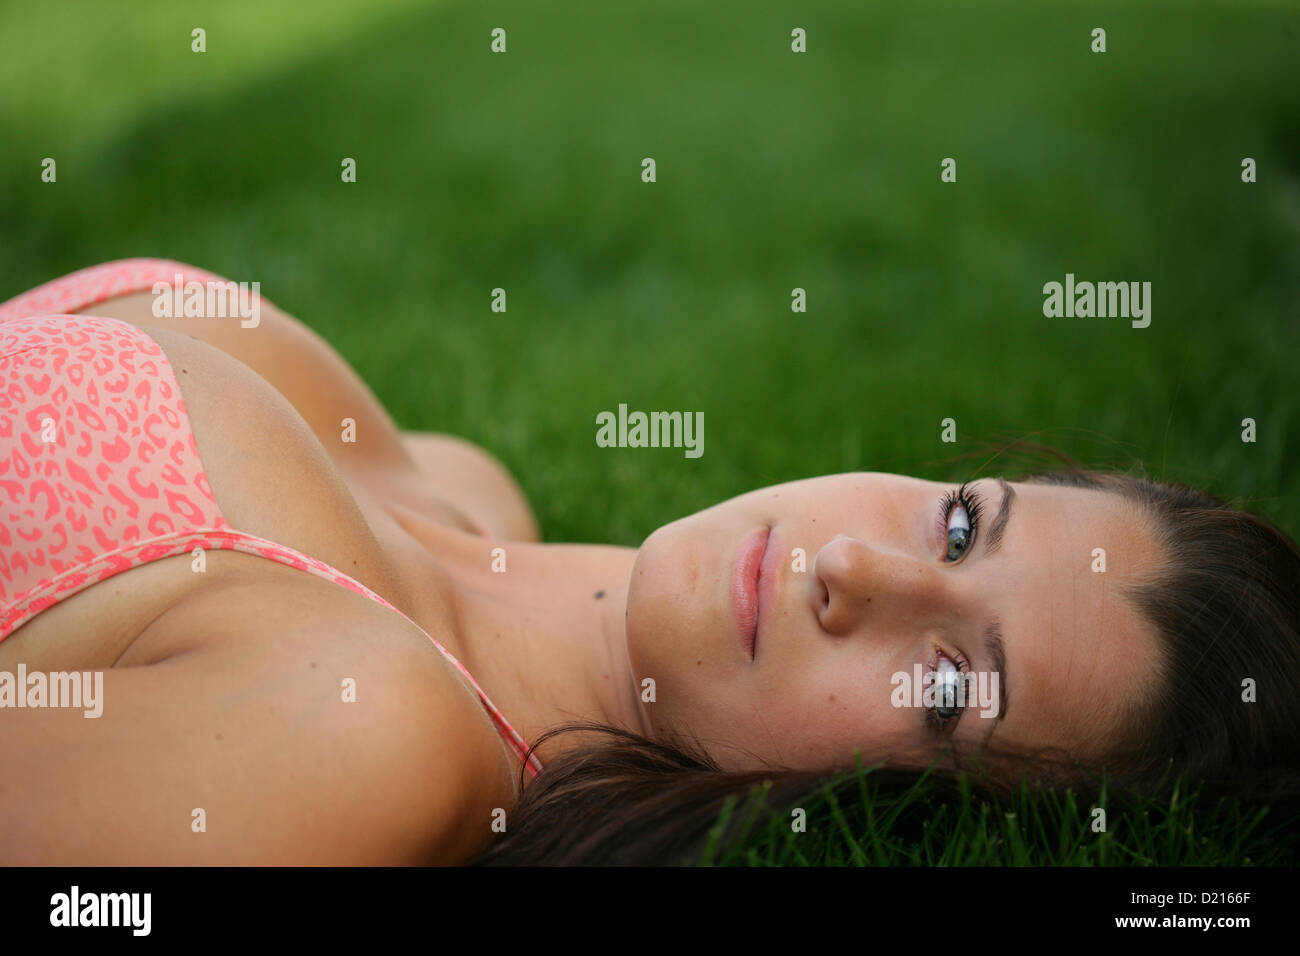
x,y
321,741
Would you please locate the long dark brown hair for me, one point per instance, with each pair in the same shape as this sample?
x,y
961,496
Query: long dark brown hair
x,y
1225,715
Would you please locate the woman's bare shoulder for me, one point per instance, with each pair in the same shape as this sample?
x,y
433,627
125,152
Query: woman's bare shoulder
x,y
271,720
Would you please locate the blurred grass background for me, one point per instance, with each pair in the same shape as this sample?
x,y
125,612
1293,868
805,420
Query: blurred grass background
x,y
775,171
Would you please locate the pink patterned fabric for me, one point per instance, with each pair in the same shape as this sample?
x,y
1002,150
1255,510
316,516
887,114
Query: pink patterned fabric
x,y
88,287
99,469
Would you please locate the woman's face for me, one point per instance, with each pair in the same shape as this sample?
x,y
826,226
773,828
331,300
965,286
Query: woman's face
x,y
846,588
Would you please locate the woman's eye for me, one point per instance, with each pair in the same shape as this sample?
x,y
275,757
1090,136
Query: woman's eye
x,y
946,696
958,532
950,693
957,522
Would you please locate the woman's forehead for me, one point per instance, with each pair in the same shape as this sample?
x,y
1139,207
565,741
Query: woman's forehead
x,y
1079,653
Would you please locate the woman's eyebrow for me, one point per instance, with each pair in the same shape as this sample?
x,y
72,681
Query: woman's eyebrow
x,y
993,540
998,658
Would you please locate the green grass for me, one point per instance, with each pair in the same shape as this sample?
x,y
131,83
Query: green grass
x,y
775,171
854,822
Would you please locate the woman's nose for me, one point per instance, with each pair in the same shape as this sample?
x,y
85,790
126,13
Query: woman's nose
x,y
853,581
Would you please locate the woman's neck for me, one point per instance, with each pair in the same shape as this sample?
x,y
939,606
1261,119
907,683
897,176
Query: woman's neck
x,y
542,627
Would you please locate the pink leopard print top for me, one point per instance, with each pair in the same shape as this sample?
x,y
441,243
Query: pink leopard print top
x,y
99,470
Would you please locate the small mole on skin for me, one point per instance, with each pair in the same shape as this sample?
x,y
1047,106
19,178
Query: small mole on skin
x,y
599,595
218,736
831,698
313,665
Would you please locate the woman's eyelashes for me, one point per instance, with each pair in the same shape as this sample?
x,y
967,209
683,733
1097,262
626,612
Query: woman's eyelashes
x,y
949,690
959,516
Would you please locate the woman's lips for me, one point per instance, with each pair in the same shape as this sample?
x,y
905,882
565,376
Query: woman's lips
x,y
745,580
